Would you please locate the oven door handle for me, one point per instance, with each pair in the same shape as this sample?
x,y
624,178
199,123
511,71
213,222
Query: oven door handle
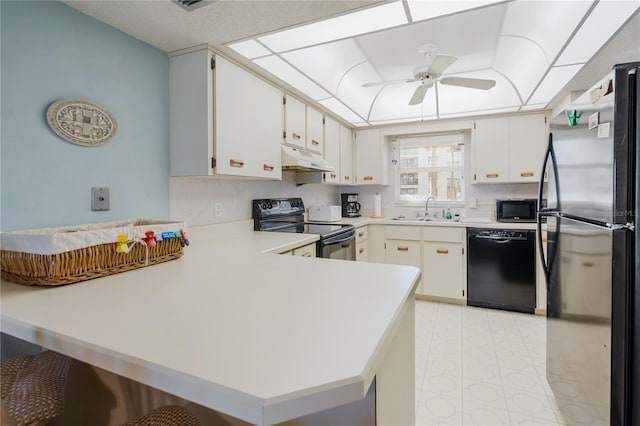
x,y
351,235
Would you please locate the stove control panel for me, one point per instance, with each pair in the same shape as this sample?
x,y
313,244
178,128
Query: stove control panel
x,y
275,207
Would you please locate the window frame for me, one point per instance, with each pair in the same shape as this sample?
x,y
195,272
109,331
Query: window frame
x,y
398,170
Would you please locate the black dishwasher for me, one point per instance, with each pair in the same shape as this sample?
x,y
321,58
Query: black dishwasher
x,y
501,269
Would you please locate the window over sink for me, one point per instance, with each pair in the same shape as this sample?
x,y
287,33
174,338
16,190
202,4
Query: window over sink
x,y
430,165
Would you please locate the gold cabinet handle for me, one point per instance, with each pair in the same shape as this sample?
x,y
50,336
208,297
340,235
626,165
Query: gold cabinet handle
x,y
526,174
360,234
315,142
333,175
361,250
236,163
367,178
544,239
268,167
403,248
346,178
295,136
442,251
587,264
307,254
492,175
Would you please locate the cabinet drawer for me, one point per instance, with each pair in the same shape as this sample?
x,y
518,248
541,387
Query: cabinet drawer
x,y
305,251
361,234
403,252
448,235
362,252
402,232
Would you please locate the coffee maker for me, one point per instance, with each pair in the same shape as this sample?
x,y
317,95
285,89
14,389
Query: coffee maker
x,y
350,205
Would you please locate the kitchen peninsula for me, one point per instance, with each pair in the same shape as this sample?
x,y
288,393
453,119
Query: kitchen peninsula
x,y
236,328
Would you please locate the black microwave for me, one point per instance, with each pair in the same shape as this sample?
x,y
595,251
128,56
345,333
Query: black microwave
x,y
517,210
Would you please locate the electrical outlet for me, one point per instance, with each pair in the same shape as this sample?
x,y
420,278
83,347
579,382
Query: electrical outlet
x,y
217,209
100,199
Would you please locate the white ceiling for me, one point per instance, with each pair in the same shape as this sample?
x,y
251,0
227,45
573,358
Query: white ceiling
x,y
515,43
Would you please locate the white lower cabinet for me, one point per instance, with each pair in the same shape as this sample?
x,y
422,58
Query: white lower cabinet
x,y
305,251
362,248
443,267
402,246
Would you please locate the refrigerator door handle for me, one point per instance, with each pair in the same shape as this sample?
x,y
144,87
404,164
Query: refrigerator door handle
x,y
549,154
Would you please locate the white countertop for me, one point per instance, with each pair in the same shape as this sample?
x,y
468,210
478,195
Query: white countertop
x,y
259,336
464,223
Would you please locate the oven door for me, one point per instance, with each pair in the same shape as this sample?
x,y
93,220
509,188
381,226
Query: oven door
x,y
341,246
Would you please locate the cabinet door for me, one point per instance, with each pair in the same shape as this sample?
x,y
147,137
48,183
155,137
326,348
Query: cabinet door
x,y
442,273
346,156
332,149
240,149
190,112
403,252
490,150
305,251
527,141
315,131
362,252
295,122
370,158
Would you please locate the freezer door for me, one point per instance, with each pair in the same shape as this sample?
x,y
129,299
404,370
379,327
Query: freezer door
x,y
579,319
584,162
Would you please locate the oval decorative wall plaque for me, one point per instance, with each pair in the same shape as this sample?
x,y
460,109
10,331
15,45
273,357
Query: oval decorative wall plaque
x,y
81,122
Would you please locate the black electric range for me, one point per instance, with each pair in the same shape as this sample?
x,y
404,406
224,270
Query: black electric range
x,y
287,215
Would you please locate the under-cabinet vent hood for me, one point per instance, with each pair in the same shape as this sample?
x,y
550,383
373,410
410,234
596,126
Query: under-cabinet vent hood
x,y
297,159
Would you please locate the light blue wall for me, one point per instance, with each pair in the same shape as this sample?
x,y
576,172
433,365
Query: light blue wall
x,y
51,51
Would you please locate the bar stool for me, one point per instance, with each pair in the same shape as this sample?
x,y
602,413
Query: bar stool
x,y
32,388
169,415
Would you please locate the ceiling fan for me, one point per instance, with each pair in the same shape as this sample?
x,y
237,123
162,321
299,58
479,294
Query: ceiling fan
x,y
429,73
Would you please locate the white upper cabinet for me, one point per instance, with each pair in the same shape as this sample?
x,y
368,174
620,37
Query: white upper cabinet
x,y
527,143
295,122
371,158
490,150
223,120
248,113
315,131
346,156
508,149
332,149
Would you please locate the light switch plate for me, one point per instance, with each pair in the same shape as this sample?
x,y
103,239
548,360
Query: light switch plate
x,y
100,198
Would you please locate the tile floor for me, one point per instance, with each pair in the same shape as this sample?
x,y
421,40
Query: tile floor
x,y
478,366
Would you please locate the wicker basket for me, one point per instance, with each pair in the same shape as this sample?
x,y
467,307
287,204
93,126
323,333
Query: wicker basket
x,y
43,257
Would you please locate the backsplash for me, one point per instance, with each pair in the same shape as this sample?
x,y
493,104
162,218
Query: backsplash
x,y
194,199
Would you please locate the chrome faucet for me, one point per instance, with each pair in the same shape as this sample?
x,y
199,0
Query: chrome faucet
x,y
426,207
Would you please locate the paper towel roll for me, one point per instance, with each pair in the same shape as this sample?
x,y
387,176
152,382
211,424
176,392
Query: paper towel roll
x,y
377,205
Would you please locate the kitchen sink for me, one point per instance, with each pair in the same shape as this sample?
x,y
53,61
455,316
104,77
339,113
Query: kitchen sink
x,y
423,219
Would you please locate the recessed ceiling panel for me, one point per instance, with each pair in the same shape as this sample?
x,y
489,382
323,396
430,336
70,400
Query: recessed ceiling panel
x,y
470,36
350,25
340,109
554,81
522,62
548,24
421,9
327,64
250,49
352,93
602,23
453,99
290,75
393,103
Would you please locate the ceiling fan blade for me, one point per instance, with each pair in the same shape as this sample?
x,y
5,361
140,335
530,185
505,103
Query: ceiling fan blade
x,y
441,63
418,95
472,83
381,83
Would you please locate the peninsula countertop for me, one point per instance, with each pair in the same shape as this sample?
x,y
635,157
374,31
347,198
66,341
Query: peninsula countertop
x,y
258,336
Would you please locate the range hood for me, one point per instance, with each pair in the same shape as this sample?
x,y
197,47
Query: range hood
x,y
297,159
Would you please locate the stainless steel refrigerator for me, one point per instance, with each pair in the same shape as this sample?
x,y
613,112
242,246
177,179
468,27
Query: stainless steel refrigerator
x,y
591,264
